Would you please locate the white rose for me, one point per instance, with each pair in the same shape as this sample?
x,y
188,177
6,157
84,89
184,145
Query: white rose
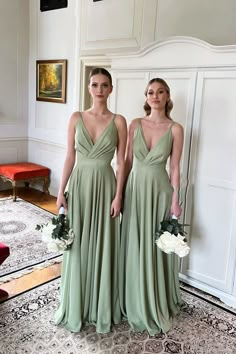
x,y
61,244
181,249
71,237
47,231
180,237
167,242
52,247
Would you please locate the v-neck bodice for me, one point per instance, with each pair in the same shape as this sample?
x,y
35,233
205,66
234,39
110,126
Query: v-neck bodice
x,y
160,151
102,149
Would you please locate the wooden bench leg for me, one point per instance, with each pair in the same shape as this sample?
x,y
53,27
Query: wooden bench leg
x,y
14,190
46,185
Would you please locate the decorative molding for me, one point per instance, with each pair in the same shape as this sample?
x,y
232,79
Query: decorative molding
x,y
116,38
49,143
189,53
149,20
177,40
9,138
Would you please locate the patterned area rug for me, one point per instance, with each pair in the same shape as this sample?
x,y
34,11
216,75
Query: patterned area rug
x,y
200,328
17,230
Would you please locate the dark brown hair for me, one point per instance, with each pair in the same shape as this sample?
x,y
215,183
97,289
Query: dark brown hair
x,y
103,71
169,103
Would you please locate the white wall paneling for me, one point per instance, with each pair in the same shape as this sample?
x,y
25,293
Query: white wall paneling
x,y
51,155
217,25
121,27
128,93
114,25
213,182
12,150
53,35
14,68
202,79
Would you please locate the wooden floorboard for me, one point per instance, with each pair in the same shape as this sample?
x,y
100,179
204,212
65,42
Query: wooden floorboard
x,y
37,277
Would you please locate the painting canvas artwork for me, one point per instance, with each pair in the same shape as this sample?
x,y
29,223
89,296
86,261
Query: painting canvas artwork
x,y
51,80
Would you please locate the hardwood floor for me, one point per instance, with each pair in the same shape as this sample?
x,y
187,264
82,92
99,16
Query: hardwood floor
x,y
37,277
34,196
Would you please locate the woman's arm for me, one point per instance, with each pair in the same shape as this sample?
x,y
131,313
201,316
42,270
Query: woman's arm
x,y
120,164
129,149
69,160
177,147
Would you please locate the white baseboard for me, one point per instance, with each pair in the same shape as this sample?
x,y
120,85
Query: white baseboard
x,y
228,299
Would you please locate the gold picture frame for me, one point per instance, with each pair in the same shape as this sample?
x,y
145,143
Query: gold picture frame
x,y
51,80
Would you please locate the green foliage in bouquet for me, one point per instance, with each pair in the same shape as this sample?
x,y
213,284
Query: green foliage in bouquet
x,y
172,226
57,233
61,227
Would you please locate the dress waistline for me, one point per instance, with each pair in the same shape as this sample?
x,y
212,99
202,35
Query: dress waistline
x,y
93,163
140,164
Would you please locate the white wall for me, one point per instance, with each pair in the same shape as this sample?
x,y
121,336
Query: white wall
x,y
53,35
13,68
14,53
210,20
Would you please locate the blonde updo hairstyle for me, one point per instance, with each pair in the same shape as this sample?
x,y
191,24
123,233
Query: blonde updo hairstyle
x,y
169,103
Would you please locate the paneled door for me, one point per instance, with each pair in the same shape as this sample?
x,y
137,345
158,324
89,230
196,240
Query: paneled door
x,y
211,194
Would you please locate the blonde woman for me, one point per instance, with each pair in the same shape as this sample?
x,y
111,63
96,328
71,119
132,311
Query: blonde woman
x,y
149,284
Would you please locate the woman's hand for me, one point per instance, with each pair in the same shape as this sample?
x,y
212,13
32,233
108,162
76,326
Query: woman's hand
x,y
61,201
176,209
116,206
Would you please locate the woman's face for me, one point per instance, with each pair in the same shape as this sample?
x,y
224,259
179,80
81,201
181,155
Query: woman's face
x,y
99,87
157,96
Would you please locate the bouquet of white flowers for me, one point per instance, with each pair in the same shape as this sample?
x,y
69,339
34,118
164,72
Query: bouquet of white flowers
x,y
170,237
57,233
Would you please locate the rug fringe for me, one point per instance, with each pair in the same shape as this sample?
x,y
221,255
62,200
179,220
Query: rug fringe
x,y
16,275
6,198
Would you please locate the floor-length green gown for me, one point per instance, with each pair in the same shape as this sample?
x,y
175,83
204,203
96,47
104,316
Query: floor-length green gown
x,y
148,281
89,283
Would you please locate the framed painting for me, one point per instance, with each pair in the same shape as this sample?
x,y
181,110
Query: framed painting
x,y
51,80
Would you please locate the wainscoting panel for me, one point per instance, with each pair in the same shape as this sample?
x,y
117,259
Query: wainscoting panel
x,y
213,182
131,26
12,150
50,155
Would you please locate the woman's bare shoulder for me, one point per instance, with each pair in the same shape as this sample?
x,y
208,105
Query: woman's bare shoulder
x,y
119,118
177,127
75,116
135,122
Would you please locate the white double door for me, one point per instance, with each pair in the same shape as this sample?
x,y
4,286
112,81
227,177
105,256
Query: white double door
x,y
205,104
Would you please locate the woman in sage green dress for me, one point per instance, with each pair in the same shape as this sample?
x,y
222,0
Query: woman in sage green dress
x,y
149,285
89,283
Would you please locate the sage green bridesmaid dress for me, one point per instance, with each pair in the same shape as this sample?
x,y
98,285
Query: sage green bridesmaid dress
x,y
148,281
89,283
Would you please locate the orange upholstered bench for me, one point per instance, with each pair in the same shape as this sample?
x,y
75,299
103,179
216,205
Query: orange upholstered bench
x,y
24,172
